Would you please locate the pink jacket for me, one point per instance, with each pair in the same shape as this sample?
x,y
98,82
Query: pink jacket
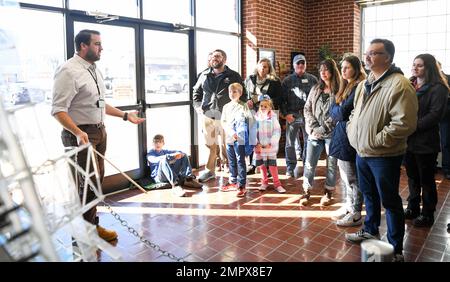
x,y
268,132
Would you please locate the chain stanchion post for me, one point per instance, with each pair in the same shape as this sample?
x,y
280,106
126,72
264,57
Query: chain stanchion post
x,y
124,223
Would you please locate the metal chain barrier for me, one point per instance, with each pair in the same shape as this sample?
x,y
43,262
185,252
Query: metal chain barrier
x,y
124,223
133,231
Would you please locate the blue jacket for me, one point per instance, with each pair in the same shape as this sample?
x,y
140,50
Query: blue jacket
x,y
340,147
154,158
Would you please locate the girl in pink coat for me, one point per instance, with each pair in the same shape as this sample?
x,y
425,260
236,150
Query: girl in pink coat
x,y
268,136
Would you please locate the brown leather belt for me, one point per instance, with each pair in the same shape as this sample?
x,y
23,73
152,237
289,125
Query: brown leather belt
x,y
98,125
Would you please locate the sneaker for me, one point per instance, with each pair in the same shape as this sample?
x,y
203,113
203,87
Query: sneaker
x,y
326,198
242,192
263,187
304,198
409,214
229,187
280,189
192,183
360,236
105,234
251,170
340,213
398,258
178,191
206,176
350,219
290,174
423,221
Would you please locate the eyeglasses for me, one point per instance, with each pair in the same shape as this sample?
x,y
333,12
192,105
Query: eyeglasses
x,y
373,54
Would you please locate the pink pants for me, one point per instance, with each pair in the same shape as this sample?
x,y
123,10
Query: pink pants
x,y
273,171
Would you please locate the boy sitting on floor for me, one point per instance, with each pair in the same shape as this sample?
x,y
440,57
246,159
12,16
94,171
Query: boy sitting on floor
x,y
170,166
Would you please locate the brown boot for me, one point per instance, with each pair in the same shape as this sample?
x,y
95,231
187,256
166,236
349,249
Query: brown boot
x,y
105,234
192,183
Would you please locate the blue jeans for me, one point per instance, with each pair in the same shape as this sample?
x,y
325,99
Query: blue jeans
x,y
314,149
175,171
236,163
378,179
292,131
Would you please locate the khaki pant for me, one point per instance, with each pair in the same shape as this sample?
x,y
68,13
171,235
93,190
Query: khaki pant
x,y
215,142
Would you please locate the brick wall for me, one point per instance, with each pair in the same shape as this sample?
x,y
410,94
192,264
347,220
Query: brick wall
x,y
275,24
298,25
333,23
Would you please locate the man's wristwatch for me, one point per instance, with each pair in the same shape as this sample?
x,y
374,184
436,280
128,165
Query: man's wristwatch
x,y
125,116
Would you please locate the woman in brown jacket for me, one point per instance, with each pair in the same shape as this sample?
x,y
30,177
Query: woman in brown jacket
x,y
319,127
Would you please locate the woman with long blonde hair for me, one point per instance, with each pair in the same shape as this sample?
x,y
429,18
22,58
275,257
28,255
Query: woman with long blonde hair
x,y
263,81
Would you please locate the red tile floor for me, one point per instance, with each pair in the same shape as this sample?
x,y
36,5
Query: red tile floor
x,y
210,225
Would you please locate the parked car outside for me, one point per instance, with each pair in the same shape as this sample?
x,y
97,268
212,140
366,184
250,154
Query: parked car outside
x,y
21,93
183,79
162,83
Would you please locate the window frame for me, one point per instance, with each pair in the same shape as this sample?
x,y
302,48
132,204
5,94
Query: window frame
x,y
139,24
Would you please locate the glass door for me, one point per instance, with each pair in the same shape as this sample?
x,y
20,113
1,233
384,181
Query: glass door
x,y
166,58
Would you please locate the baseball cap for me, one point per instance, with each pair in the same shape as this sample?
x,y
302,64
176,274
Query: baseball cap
x,y
297,58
